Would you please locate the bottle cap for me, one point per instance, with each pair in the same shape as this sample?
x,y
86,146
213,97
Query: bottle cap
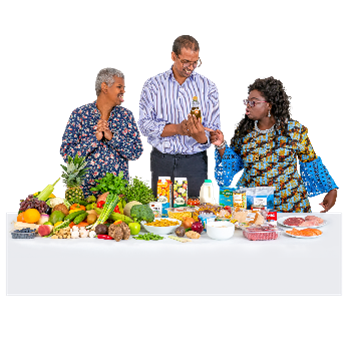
x,y
195,98
208,181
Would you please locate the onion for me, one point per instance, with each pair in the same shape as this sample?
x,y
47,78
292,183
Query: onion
x,y
43,218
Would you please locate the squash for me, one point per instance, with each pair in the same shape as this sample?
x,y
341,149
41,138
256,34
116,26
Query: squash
x,y
128,206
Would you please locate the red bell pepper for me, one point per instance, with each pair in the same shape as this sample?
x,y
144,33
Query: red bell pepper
x,y
101,204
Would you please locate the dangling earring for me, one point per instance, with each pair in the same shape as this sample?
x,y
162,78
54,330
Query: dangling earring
x,y
269,115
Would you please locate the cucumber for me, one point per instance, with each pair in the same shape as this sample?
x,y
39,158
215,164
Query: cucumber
x,y
80,218
70,217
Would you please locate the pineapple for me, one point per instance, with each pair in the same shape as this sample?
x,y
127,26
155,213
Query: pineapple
x,y
73,177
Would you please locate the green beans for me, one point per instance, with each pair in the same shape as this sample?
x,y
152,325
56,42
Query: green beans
x,y
148,237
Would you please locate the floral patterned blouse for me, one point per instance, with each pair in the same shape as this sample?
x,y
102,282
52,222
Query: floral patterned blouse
x,y
272,161
102,156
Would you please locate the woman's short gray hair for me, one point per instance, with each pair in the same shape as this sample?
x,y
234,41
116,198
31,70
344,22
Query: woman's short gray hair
x,y
106,75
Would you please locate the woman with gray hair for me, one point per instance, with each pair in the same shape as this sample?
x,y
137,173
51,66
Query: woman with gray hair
x,y
103,131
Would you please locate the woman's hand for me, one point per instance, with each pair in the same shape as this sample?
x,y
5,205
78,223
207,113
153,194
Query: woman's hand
x,y
216,137
329,201
102,127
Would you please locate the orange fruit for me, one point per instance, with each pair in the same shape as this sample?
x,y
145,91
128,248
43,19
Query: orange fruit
x,y
20,217
32,215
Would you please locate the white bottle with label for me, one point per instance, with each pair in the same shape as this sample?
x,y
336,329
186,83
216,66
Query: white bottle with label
x,y
206,192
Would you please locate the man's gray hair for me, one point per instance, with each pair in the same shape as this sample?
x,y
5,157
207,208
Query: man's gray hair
x,y
106,75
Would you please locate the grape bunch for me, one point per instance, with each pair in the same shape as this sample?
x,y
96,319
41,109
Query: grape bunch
x,y
31,202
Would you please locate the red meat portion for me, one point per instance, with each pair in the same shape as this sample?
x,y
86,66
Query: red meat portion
x,y
294,221
313,220
261,233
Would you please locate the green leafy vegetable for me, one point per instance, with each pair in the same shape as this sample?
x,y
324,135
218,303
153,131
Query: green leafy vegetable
x,y
148,237
139,191
111,183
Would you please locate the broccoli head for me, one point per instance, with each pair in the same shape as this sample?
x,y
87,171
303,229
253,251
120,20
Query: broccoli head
x,y
142,212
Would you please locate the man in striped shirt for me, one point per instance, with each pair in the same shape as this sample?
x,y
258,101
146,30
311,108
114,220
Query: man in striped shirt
x,y
179,140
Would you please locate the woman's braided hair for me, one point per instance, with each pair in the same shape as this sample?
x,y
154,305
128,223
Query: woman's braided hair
x,y
274,93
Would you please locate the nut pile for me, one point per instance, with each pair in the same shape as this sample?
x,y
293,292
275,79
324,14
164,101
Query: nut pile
x,y
62,234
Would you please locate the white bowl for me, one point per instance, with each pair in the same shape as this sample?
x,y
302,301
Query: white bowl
x,y
162,230
220,230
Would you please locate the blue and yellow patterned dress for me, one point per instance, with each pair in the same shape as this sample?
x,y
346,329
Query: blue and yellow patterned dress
x,y
270,160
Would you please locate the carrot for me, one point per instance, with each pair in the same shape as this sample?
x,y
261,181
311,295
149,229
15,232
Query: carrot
x,y
71,224
82,224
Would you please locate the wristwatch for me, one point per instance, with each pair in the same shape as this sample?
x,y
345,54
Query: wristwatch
x,y
222,145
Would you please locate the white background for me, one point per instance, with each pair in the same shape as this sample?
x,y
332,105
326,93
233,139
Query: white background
x,y
250,265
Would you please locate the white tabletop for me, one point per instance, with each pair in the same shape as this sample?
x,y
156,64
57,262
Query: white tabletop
x,y
286,266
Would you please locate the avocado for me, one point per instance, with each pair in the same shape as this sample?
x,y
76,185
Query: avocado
x,y
56,216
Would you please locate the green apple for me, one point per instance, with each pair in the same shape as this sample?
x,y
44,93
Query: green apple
x,y
134,228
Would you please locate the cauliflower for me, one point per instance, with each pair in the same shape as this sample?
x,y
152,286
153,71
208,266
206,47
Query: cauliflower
x,y
83,233
57,201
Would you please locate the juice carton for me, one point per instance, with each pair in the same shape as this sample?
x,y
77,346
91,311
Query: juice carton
x,y
164,185
180,192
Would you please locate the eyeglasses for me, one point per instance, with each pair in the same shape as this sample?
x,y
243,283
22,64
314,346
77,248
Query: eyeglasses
x,y
252,103
188,63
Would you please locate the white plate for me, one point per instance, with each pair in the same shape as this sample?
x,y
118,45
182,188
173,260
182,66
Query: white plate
x,y
281,222
303,237
161,230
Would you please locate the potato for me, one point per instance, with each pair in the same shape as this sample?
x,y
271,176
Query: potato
x,y
180,231
91,218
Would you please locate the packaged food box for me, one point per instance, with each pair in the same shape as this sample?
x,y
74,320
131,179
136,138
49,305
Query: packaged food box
x,y
164,186
240,198
156,207
263,232
226,196
180,191
180,213
206,218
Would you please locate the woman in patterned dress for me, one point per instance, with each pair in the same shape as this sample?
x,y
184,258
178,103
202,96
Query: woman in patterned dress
x,y
103,131
267,144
